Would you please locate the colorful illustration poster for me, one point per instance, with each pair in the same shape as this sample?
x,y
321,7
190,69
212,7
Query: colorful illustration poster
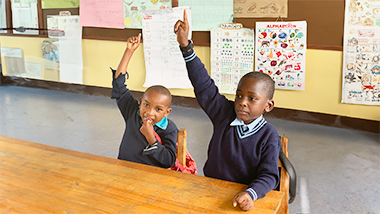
x,y
133,9
209,14
281,53
232,54
361,53
164,62
260,8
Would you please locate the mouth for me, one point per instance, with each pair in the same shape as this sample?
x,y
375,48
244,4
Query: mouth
x,y
241,112
149,120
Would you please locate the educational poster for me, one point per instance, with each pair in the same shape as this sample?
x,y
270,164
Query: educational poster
x,y
209,14
164,62
101,13
25,15
361,53
232,54
281,53
53,4
134,8
3,19
50,52
260,8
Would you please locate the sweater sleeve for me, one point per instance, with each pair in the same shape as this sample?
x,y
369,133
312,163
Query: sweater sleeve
x,y
216,106
268,175
124,99
165,152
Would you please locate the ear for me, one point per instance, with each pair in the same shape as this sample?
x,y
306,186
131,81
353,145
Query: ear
x,y
168,112
269,106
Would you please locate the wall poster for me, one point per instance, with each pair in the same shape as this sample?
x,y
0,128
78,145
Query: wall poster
x,y
361,46
281,53
232,53
134,8
260,8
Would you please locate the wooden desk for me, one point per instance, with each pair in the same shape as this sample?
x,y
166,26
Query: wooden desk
x,y
36,178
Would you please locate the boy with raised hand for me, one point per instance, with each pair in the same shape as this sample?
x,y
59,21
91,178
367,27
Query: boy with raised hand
x,y
244,147
143,118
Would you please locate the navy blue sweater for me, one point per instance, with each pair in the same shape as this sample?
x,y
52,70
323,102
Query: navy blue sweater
x,y
134,146
252,160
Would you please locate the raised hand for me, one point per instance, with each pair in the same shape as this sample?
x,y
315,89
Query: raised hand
x,y
133,42
181,28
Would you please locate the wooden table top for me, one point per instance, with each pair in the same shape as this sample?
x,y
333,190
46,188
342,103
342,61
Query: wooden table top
x,y
36,178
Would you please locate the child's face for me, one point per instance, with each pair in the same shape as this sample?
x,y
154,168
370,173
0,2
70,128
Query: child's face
x,y
154,106
251,100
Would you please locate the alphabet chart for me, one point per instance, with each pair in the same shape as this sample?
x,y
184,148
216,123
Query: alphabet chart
x,y
280,53
232,53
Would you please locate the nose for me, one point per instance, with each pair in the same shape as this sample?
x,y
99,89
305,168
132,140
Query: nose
x,y
243,102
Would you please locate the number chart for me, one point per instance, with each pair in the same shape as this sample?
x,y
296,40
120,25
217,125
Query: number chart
x,y
232,54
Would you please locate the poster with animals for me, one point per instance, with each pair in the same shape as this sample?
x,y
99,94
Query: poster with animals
x,y
281,51
260,8
232,54
361,53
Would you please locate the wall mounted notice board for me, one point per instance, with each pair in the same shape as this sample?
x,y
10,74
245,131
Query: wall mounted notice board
x,y
325,21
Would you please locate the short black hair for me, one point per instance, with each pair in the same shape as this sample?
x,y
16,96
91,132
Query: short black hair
x,y
161,90
264,78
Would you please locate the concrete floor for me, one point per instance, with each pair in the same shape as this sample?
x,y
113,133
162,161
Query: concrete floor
x,y
338,170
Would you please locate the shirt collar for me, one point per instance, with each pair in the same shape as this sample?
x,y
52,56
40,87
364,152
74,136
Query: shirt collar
x,y
238,122
162,124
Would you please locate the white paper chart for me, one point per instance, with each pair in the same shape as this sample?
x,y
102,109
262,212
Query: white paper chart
x,y
281,53
232,54
164,62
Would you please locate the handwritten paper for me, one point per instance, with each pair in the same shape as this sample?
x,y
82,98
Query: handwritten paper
x,y
70,47
164,62
101,13
281,53
209,14
52,4
361,53
133,10
3,18
232,54
25,15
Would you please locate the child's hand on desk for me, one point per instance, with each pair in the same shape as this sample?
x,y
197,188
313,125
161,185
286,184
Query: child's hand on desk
x,y
133,42
147,130
181,28
244,200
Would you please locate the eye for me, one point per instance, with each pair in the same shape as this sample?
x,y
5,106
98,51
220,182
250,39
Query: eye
x,y
146,105
252,98
237,96
158,109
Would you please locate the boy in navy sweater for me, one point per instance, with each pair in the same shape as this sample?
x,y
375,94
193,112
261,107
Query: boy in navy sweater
x,y
139,143
244,148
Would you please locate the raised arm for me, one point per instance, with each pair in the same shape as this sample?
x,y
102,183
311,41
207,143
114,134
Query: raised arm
x,y
126,103
132,44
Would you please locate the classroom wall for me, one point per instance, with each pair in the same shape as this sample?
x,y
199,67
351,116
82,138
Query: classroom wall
x,y
323,75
